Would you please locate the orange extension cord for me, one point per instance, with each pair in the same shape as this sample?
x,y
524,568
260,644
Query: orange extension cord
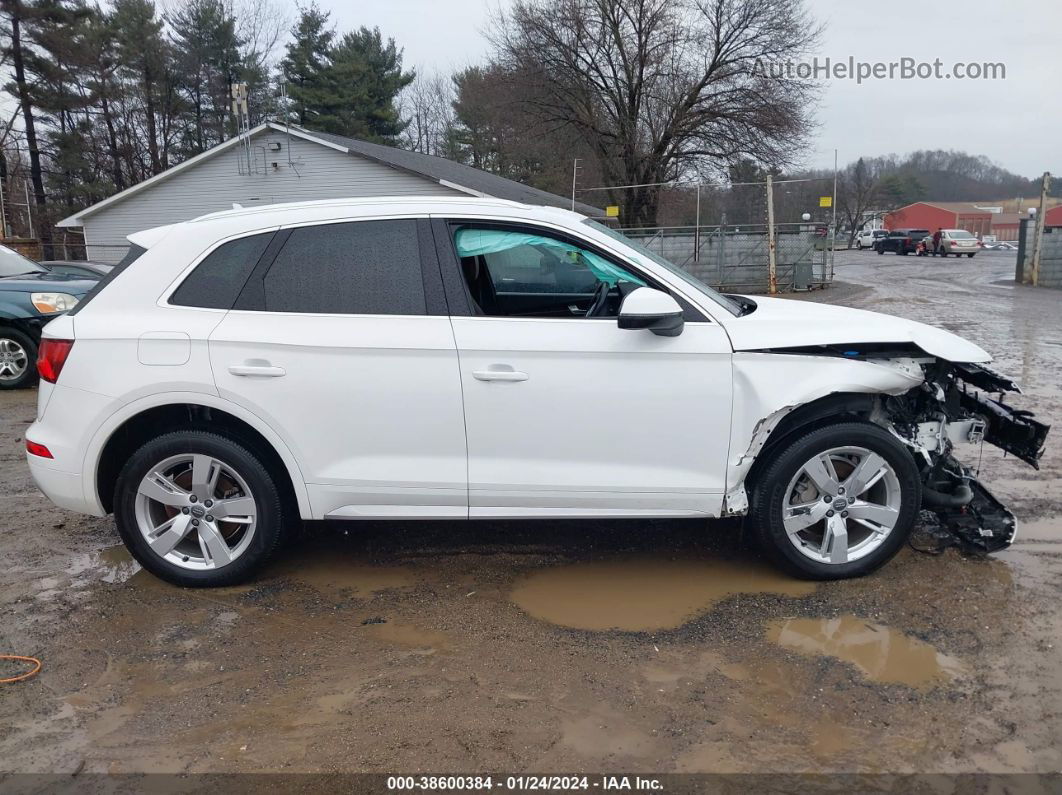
x,y
21,677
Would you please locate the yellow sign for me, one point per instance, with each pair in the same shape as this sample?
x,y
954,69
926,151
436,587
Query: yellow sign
x,y
612,211
825,201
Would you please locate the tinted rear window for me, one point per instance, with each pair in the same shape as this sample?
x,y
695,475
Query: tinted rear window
x,y
360,267
218,279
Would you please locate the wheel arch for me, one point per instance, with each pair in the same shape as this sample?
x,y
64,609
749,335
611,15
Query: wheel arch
x,y
143,420
830,409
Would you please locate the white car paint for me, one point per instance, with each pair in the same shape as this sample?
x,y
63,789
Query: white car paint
x,y
780,323
866,238
400,416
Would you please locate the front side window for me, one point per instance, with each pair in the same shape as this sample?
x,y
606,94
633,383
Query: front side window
x,y
732,306
516,273
350,268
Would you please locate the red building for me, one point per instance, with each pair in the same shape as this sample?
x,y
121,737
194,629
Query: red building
x,y
976,219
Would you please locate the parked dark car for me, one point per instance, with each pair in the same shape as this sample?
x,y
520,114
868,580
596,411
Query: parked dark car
x,y
901,241
81,268
30,296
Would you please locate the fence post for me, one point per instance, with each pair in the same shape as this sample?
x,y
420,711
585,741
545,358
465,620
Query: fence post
x,y
772,267
1038,238
697,230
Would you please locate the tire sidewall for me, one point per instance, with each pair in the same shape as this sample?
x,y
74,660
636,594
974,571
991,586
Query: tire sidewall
x,y
268,506
769,493
29,378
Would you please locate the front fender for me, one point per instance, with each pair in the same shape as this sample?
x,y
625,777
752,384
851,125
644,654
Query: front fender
x,y
768,386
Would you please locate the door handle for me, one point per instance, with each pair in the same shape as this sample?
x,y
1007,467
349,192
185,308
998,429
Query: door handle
x,y
264,370
499,372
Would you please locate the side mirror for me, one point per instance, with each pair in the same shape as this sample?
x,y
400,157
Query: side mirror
x,y
651,309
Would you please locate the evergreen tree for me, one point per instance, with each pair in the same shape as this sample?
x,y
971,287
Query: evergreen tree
x,y
305,67
366,78
208,61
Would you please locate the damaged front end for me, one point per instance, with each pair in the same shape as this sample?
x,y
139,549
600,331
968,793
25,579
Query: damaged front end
x,y
962,403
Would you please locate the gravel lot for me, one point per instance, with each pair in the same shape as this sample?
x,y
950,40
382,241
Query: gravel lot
x,y
548,647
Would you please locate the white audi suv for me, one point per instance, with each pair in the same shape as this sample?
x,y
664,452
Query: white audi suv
x,y
423,358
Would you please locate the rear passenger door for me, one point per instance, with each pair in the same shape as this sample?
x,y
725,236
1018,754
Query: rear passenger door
x,y
340,341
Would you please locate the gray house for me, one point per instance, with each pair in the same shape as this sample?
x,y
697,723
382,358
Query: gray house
x,y
274,163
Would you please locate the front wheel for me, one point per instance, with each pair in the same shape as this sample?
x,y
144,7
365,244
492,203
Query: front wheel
x,y
198,509
880,250
18,355
836,502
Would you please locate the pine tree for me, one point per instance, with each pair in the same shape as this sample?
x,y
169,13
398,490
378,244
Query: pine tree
x,y
305,67
208,61
366,78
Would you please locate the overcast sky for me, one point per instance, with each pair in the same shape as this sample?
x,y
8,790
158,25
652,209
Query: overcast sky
x,y
1016,121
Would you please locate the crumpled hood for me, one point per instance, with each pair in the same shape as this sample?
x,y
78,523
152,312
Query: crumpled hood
x,y
785,323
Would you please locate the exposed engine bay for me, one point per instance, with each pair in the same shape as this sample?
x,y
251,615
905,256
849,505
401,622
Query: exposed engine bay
x,y
956,404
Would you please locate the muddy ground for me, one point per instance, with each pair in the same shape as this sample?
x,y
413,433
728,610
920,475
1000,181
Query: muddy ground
x,y
605,646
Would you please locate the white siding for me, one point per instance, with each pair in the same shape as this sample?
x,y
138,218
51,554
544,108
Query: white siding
x,y
318,172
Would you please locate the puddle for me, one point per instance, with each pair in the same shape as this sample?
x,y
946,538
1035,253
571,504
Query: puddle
x,y
111,565
606,733
425,641
116,564
882,654
644,594
329,570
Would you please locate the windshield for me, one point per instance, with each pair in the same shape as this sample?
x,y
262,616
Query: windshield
x,y
730,305
14,264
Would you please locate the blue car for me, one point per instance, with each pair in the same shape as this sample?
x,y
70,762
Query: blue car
x,y
30,296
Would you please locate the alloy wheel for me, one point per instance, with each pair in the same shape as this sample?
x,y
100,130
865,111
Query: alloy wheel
x,y
14,360
841,505
196,511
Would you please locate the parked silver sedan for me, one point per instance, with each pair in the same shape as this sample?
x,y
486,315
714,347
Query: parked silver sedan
x,y
954,241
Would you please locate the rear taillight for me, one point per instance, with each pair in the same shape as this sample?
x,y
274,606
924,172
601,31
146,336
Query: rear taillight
x,y
51,357
38,449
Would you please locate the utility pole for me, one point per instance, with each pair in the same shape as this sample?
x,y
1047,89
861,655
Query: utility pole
x,y
833,225
1038,236
772,269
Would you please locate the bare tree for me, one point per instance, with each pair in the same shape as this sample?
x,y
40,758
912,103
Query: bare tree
x,y
659,88
428,104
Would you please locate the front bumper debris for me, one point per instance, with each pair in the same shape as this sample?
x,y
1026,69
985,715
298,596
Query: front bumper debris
x,y
952,407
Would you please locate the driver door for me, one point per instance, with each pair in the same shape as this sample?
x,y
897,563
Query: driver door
x,y
569,415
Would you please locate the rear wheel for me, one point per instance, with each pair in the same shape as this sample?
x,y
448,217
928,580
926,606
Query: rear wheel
x,y
18,356
970,256
837,502
198,509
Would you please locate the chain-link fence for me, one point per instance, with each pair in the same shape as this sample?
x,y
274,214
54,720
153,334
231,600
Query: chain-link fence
x,y
736,257
774,235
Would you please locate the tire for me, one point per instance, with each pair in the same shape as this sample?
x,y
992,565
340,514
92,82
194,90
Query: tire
x,y
18,359
970,256
859,246
902,252
806,553
880,250
196,559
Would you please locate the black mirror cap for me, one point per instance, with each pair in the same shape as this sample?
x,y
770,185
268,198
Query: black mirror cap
x,y
669,325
